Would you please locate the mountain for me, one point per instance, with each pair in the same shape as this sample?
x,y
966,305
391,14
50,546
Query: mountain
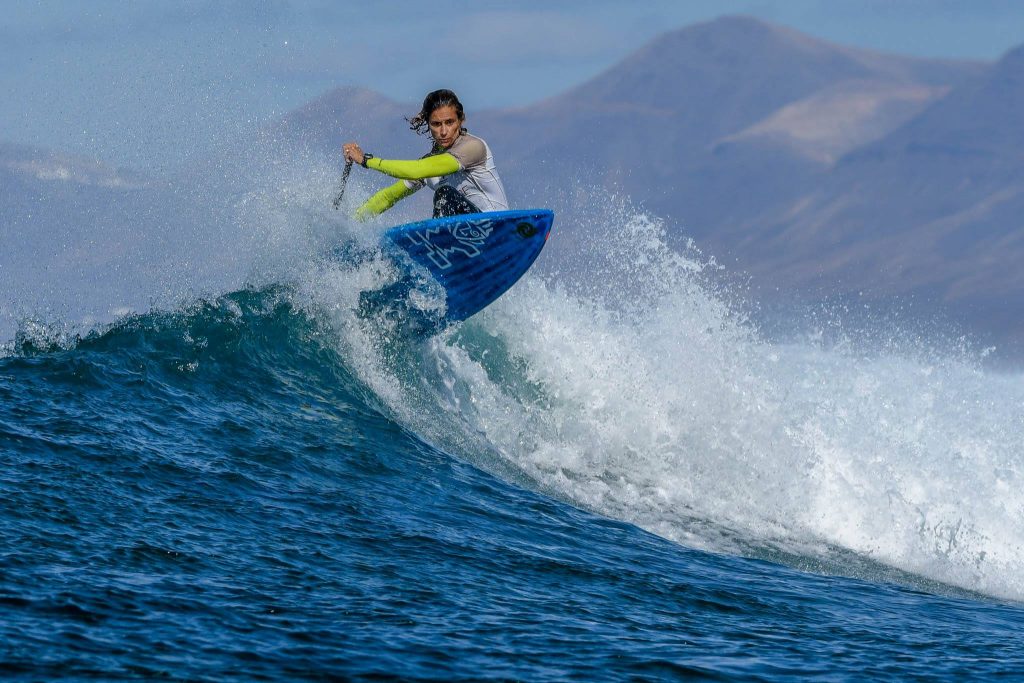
x,y
822,171
341,114
708,125
83,239
933,208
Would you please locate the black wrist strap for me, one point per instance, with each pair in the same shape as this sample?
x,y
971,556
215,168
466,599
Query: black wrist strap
x,y
366,159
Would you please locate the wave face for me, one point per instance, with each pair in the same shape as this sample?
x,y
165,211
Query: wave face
x,y
643,395
585,481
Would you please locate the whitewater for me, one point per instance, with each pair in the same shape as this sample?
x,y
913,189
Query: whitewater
x,y
610,472
650,399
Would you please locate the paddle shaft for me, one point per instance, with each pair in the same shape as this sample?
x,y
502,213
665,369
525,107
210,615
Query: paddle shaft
x,y
344,182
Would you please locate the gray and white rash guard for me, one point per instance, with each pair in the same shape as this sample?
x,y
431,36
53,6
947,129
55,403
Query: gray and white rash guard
x,y
477,178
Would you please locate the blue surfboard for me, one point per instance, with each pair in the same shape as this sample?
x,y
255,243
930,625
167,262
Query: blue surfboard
x,y
475,257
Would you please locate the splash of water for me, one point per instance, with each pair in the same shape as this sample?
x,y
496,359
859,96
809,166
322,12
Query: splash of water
x,y
619,377
638,391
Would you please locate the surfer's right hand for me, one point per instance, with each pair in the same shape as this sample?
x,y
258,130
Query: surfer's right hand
x,y
352,152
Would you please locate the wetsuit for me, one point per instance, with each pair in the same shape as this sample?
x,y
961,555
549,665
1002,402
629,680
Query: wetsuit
x,y
463,178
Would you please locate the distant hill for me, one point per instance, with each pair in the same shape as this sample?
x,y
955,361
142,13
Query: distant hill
x,y
934,208
343,113
80,238
936,203
821,170
715,124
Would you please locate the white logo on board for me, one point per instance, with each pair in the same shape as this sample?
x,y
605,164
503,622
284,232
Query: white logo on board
x,y
469,238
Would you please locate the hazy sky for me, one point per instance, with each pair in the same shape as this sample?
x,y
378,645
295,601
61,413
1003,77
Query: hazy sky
x,y
150,83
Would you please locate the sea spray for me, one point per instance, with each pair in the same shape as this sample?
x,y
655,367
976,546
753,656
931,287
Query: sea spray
x,y
644,394
621,377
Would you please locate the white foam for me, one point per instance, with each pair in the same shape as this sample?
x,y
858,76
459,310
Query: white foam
x,y
628,386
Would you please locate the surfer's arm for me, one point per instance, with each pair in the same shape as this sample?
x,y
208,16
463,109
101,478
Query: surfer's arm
x,y
432,166
384,200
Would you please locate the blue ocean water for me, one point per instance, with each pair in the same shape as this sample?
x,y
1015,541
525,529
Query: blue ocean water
x,y
261,485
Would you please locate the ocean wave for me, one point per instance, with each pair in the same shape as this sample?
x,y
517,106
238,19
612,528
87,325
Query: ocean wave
x,y
630,385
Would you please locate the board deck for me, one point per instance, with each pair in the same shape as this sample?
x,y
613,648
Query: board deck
x,y
475,257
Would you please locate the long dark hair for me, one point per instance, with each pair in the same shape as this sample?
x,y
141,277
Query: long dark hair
x,y
439,98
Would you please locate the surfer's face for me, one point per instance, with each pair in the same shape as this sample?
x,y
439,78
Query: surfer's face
x,y
445,125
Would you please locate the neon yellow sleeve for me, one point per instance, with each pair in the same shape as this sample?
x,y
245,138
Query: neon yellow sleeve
x,y
428,167
383,200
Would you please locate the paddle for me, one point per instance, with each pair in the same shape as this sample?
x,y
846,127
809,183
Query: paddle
x,y
344,182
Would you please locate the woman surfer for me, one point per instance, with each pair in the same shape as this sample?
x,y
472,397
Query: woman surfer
x,y
459,167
